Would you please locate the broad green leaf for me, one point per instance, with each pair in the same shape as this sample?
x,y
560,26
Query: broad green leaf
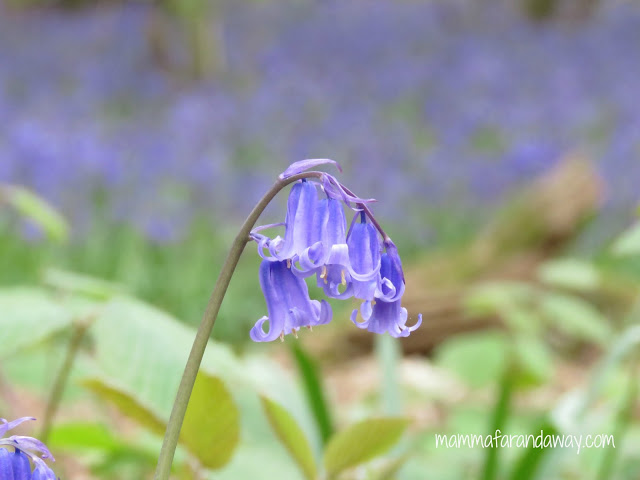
x,y
77,435
629,242
81,284
534,361
29,316
362,442
145,350
291,436
571,274
476,357
496,297
127,403
211,427
38,210
576,317
510,301
210,430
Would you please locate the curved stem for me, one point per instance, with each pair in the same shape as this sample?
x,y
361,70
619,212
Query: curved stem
x,y
369,214
60,383
174,426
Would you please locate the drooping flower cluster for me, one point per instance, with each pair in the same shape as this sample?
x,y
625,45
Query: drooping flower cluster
x,y
360,262
15,465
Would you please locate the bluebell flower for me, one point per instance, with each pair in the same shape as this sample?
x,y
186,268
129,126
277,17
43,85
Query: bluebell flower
x,y
15,465
298,235
384,313
330,256
346,264
364,255
391,274
288,304
385,317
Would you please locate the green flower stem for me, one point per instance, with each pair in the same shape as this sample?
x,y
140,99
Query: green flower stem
x,y
624,420
179,409
60,383
500,415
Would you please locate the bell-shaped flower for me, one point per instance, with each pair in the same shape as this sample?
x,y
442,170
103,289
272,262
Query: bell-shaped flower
x,y
288,303
364,255
384,317
330,256
298,234
391,286
15,465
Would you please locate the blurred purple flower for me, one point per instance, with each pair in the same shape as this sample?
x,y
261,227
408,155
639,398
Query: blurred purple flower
x,y
15,465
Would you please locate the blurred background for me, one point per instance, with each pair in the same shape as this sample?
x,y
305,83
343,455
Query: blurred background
x,y
500,138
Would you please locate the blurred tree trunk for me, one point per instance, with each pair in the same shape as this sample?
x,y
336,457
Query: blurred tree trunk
x,y
567,9
192,28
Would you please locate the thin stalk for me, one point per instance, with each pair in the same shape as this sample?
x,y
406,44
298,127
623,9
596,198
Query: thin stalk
x,y
624,420
500,414
179,409
62,378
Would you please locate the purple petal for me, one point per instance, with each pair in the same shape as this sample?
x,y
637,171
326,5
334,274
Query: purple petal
x,y
304,165
42,471
21,465
334,189
6,467
385,317
30,443
6,426
288,304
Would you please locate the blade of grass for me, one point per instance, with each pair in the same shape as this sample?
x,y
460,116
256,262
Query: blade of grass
x,y
499,419
314,392
624,421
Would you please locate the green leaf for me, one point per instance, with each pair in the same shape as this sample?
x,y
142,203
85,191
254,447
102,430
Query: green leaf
x,y
476,357
141,352
570,273
39,211
576,318
499,416
535,364
496,297
527,465
211,427
312,382
362,442
291,436
29,316
74,436
629,242
510,301
82,284
127,403
145,350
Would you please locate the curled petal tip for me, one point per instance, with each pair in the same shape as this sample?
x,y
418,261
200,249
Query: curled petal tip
x,y
304,165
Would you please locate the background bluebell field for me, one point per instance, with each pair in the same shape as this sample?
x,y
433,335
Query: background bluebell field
x,y
154,130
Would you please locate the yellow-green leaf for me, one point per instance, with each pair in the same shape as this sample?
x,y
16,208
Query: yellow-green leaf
x,y
291,436
211,426
127,404
362,442
39,211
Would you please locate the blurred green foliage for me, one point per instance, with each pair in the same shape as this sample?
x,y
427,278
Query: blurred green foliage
x,y
248,418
